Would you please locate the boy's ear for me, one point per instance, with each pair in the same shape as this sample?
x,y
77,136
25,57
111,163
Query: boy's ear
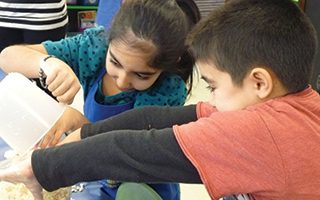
x,y
263,83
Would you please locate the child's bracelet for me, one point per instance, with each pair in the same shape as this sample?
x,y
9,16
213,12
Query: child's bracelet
x,y
41,72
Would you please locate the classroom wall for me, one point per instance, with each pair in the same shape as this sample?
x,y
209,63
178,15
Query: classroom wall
x,y
312,9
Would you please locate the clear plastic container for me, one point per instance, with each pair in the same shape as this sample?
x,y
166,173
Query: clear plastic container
x,y
26,112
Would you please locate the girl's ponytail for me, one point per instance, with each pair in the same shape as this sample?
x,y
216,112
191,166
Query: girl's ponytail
x,y
186,63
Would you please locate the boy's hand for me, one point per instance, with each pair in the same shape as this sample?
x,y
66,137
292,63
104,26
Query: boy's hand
x,y
62,81
19,170
70,120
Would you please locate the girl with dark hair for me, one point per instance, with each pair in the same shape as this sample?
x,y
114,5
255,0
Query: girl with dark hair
x,y
256,135
142,60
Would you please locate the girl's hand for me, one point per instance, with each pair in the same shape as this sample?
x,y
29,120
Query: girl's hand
x,y
62,81
70,120
19,170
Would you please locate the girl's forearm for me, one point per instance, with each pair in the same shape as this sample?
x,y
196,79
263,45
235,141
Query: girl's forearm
x,y
23,59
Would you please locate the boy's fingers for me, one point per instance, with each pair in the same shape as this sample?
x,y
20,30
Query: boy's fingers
x,y
36,191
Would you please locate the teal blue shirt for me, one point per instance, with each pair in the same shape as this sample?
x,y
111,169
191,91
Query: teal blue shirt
x,y
86,55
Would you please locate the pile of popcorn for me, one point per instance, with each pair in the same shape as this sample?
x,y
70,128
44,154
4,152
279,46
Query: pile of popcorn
x,y
9,191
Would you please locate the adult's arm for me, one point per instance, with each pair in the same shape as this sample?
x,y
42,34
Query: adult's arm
x,y
146,117
123,155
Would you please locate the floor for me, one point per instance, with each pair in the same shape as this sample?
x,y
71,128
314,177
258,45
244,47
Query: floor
x,y
199,93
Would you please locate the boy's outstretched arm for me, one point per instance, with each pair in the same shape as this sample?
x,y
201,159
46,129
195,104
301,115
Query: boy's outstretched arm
x,y
125,155
152,156
143,118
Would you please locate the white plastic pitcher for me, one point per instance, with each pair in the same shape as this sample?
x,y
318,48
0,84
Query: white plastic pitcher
x,y
26,112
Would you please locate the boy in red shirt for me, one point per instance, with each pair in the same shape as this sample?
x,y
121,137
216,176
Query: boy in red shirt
x,y
259,134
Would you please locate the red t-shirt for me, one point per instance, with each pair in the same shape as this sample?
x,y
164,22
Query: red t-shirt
x,y
270,150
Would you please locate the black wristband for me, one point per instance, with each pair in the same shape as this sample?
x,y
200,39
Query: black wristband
x,y
49,56
41,72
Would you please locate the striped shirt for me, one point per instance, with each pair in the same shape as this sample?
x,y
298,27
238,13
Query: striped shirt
x,y
33,14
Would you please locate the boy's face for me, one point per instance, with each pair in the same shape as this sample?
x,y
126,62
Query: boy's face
x,y
225,95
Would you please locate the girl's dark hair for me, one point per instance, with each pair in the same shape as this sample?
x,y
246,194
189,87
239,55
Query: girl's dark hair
x,y
243,34
162,23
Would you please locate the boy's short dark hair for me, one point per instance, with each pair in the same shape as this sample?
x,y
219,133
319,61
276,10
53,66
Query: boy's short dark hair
x,y
244,34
